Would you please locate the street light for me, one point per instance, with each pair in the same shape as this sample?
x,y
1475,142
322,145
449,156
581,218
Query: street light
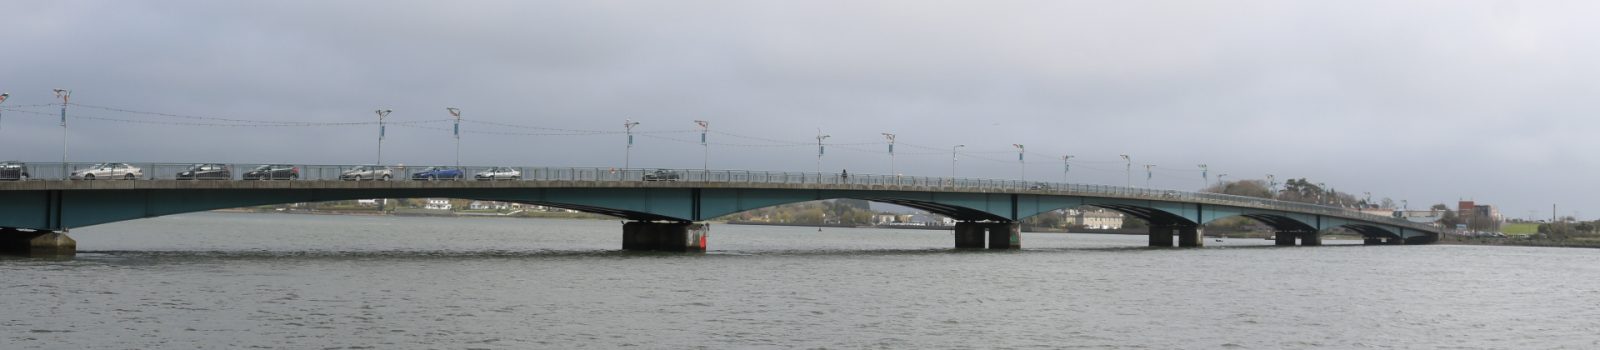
x,y
382,114
706,161
890,137
1066,167
1024,163
456,113
953,157
1148,173
65,96
1206,180
820,137
1220,181
627,154
1128,171
3,97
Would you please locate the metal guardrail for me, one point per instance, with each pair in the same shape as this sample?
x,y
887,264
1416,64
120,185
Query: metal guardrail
x,y
170,171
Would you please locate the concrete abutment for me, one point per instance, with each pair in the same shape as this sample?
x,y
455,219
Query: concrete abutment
x,y
665,236
41,244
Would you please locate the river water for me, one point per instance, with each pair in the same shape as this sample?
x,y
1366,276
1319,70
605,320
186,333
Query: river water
x,y
232,280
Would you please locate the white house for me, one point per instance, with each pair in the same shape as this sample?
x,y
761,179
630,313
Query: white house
x,y
437,204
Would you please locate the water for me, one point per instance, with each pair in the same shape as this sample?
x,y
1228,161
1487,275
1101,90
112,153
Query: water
x,y
215,280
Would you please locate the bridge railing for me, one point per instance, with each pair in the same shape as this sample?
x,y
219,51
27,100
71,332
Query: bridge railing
x,y
305,172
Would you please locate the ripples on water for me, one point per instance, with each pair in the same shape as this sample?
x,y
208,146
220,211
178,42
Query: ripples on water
x,y
291,281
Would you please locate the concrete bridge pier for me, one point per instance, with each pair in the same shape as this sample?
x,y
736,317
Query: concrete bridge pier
x,y
1191,237
1187,236
1161,235
665,236
1001,235
1311,238
1005,235
969,235
37,243
1285,238
1305,238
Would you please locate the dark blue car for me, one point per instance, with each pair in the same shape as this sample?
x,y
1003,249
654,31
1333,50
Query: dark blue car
x,y
438,173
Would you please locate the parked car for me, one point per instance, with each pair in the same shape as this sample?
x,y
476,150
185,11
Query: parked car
x,y
108,171
1040,187
367,172
662,175
273,172
499,173
207,172
433,173
13,171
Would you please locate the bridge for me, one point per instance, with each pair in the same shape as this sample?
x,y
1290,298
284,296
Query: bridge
x,y
663,213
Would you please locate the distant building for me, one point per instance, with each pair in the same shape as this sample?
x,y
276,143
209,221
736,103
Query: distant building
x,y
1421,216
1479,217
437,204
885,219
1098,219
489,205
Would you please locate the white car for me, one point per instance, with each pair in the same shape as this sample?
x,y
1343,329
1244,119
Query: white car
x,y
111,171
499,173
367,172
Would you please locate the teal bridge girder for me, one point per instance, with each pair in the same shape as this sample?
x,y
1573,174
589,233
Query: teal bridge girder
x,y
56,205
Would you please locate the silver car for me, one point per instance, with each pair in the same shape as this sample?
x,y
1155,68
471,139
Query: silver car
x,y
367,172
111,171
499,173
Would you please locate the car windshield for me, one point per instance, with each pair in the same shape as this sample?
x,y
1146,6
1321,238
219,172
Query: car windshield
x,y
431,168
263,167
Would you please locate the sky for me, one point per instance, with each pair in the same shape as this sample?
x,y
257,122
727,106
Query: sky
x,y
1423,101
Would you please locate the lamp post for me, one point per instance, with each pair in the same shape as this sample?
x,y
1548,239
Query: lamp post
x,y
1024,163
706,147
1221,182
627,154
1323,197
820,137
1128,171
382,114
456,113
953,157
1148,173
1066,167
65,96
890,137
1205,180
3,97
1366,197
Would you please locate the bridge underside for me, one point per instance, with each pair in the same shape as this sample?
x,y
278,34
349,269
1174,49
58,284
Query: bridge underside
x,y
994,213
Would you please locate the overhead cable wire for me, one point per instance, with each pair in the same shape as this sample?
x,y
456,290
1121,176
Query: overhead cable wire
x,y
193,117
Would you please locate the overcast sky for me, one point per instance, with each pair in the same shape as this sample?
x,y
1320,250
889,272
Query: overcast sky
x,y
1430,101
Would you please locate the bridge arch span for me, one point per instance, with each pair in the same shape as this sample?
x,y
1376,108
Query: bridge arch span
x,y
960,206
